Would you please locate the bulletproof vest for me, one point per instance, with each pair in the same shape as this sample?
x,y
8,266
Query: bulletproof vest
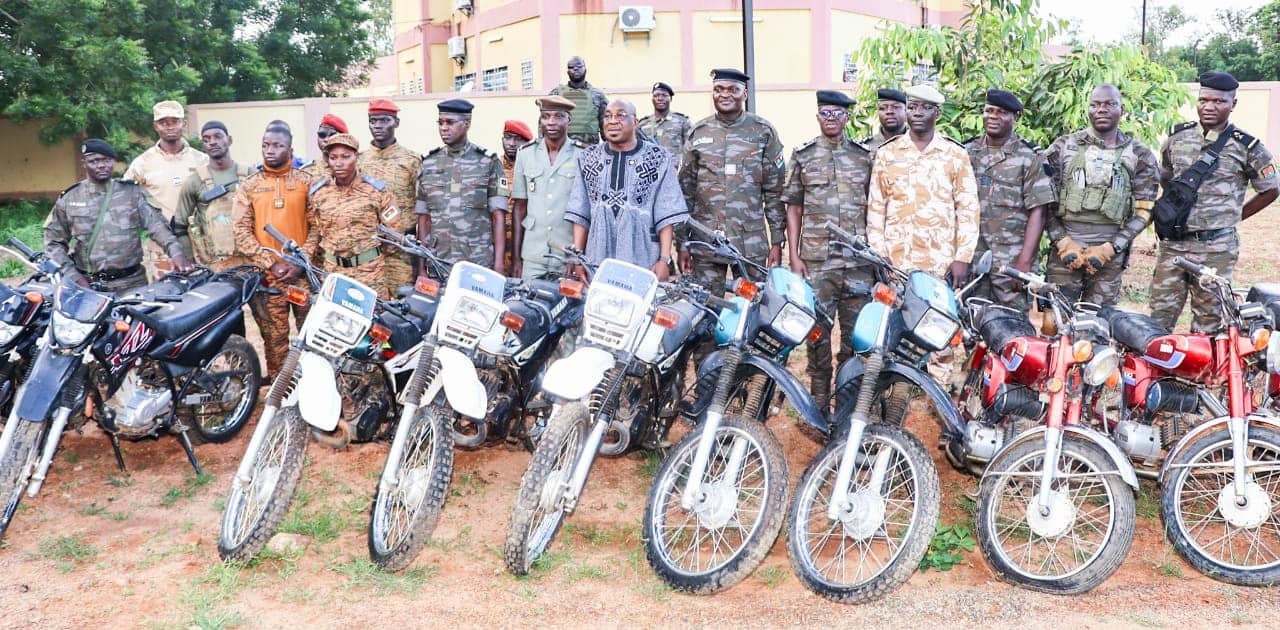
x,y
1097,186
210,229
584,120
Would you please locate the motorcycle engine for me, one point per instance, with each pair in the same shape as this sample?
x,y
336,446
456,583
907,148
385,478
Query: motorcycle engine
x,y
1139,441
141,402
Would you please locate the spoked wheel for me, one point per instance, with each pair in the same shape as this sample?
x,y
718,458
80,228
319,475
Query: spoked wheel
x,y
878,541
226,393
1070,545
735,519
16,465
1229,539
256,507
405,514
540,508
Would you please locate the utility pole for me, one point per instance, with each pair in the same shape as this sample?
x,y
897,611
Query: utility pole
x,y
749,51
1143,37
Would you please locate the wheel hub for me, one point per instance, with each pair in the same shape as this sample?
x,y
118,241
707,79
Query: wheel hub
x,y
717,505
413,486
553,490
1250,512
1053,520
864,515
264,483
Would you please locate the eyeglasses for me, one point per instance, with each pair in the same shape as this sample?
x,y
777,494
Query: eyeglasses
x,y
832,114
620,116
325,134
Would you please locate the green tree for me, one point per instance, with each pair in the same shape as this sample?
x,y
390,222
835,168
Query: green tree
x,y
1002,44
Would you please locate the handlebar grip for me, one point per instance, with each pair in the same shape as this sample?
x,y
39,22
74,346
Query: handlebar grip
x,y
1006,270
718,302
839,231
270,229
17,244
1187,265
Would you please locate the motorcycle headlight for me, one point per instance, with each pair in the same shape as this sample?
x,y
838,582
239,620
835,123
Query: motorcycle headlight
x,y
1273,353
1098,370
70,332
935,329
611,308
474,315
8,332
341,326
792,323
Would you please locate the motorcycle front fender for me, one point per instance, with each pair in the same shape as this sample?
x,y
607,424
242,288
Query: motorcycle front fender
x,y
794,390
461,384
39,394
316,393
1256,419
574,376
952,424
1113,452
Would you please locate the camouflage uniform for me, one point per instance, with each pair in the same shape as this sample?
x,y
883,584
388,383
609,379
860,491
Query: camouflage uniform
x,y
508,231
397,168
732,175
1012,180
876,141
162,174
203,218
459,190
668,132
589,104
829,182
277,197
108,251
922,206
1089,229
1243,162
317,169
341,223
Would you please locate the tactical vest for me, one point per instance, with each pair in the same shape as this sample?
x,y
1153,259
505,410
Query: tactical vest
x,y
1097,186
585,121
210,229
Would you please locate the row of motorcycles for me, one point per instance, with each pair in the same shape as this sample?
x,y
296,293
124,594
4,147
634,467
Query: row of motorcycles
x,y
1058,423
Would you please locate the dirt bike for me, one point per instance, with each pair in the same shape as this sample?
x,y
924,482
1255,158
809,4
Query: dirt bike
x,y
339,383
24,313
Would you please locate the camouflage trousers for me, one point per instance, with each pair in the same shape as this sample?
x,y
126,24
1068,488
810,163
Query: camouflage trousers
x,y
839,294
1170,285
999,288
397,271
271,312
372,274
1101,288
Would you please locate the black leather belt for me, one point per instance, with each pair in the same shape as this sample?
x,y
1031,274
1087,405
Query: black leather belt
x,y
1204,235
107,275
355,260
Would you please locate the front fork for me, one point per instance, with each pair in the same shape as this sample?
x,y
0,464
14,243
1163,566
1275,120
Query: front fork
x,y
423,373
1060,412
275,396
604,417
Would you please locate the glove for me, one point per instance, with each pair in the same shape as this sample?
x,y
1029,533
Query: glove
x,y
1097,256
1070,253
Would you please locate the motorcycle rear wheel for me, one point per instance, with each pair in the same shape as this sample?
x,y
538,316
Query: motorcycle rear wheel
x,y
16,465
215,423
253,512
401,520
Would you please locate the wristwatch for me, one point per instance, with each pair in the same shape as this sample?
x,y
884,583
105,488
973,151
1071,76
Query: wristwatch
x,y
671,264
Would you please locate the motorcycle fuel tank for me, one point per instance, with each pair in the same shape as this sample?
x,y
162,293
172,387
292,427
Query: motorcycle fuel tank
x,y
1188,356
1027,359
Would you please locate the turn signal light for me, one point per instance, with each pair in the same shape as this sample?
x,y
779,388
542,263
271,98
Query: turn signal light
x,y
1081,351
885,294
427,286
297,295
815,334
379,333
572,288
121,326
512,321
1261,338
957,338
1113,381
35,297
666,318
745,289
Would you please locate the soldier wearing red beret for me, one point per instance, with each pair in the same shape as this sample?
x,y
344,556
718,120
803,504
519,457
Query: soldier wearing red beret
x,y
389,162
515,135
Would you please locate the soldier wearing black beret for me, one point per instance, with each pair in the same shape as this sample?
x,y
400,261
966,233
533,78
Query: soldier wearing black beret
x,y
891,110
663,126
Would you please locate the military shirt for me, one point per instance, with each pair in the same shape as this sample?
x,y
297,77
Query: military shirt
x,y
276,197
668,132
205,211
397,168
922,209
162,173
546,187
459,190
69,232
1012,180
732,175
342,220
317,169
829,181
1140,162
1243,162
877,140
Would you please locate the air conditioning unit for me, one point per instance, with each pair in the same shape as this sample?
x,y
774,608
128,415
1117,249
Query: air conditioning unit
x,y
457,48
462,5
636,19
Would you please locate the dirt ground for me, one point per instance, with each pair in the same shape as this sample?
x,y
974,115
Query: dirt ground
x,y
103,549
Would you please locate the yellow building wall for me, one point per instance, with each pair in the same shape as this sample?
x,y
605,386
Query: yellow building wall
x,y
31,167
717,41
442,68
246,121
508,46
438,10
407,14
848,30
409,68
617,58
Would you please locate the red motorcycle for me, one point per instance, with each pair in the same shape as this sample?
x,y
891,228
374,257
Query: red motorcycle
x,y
1056,502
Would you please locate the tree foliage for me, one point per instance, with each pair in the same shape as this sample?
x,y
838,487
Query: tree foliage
x,y
1002,44
95,67
1242,42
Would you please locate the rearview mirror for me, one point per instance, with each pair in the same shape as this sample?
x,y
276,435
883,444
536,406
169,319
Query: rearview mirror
x,y
983,266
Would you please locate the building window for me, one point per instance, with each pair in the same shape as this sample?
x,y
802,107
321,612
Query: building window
x,y
464,82
495,79
419,86
526,74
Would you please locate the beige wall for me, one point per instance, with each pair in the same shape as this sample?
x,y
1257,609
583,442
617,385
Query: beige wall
x,y
725,27
847,32
29,167
617,58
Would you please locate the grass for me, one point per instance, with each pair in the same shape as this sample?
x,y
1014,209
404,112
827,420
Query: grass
x,y
186,490
945,550
652,462
1148,501
584,572
772,576
361,573
67,552
24,219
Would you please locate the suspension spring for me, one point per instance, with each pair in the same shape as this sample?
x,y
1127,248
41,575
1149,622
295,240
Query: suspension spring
x,y
867,389
422,374
282,387
729,369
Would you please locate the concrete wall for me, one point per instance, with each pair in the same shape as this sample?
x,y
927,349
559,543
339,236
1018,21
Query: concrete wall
x,y
29,167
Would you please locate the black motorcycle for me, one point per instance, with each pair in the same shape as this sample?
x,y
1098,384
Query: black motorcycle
x,y
24,313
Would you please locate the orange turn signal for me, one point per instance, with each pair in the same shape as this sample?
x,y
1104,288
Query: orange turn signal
x,y
512,321
745,289
379,333
1081,351
121,326
571,288
885,294
957,338
1261,339
35,297
815,334
1113,381
666,318
297,295
427,286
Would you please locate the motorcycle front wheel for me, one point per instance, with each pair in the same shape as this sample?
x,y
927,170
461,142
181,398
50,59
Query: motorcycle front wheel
x,y
538,512
16,465
254,509
1232,541
735,519
403,517
1069,546
874,546
231,380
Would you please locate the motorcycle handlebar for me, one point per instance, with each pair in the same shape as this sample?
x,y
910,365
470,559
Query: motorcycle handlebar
x,y
700,227
1034,281
856,242
718,302
284,240
1190,267
17,244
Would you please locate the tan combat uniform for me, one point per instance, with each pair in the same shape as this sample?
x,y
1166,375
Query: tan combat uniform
x,y
162,175
397,168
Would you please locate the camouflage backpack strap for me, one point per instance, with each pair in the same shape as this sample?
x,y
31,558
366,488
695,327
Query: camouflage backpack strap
x,y
97,224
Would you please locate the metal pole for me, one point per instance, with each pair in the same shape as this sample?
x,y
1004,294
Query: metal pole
x,y
749,52
1143,37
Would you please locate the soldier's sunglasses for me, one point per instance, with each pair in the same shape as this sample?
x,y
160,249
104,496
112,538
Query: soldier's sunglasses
x,y
325,134
832,114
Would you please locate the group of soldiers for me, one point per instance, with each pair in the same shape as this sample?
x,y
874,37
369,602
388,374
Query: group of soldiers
x,y
923,200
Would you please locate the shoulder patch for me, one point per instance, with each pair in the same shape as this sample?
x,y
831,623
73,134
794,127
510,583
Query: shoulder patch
x,y
953,140
69,189
244,170
1183,127
893,140
860,145
1030,145
127,182
678,115
806,145
318,185
645,119
376,183
433,151
1243,138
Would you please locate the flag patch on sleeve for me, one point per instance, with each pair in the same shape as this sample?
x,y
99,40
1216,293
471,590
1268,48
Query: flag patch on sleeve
x,y
1268,170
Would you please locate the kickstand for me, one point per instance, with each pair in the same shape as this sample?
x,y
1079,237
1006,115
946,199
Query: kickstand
x,y
191,454
115,445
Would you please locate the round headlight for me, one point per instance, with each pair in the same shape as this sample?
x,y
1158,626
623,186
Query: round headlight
x,y
792,323
1104,363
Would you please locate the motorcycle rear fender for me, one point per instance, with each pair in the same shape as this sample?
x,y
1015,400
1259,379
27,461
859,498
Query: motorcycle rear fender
x,y
794,390
574,376
41,392
1113,452
194,348
952,424
316,393
1259,419
461,384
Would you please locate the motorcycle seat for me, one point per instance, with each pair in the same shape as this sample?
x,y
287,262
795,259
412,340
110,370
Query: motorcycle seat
x,y
198,308
406,331
999,325
1134,331
1267,293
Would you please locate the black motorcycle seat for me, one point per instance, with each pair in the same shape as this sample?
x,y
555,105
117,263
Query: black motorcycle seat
x,y
1134,331
407,331
998,325
198,307
1267,293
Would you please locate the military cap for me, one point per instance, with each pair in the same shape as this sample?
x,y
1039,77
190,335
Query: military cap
x,y
344,139
167,109
729,74
1219,81
555,103
664,87
332,120
891,95
518,128
99,146
834,97
214,124
455,106
383,106
1004,100
926,93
